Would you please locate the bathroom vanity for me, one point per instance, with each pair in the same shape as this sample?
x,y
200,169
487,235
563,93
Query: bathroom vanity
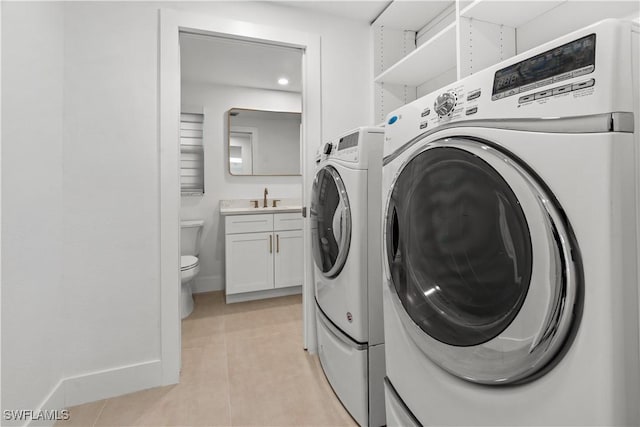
x,y
264,249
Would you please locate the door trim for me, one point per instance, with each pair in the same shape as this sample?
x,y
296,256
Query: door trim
x,y
171,22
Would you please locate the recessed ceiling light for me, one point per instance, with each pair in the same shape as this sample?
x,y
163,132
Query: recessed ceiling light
x,y
283,81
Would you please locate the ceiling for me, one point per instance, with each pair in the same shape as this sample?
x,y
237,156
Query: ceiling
x,y
216,60
359,10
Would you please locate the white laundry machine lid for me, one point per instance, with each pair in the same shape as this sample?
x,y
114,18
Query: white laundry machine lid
x,y
188,261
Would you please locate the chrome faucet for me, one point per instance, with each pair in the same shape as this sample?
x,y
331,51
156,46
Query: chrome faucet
x,y
264,201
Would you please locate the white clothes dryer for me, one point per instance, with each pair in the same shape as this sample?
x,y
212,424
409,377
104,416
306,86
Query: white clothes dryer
x,y
346,242
509,246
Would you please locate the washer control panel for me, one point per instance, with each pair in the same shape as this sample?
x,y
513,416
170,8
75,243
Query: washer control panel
x,y
461,103
558,90
559,73
447,105
444,103
573,59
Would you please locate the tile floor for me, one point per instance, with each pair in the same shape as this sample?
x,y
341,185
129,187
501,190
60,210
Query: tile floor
x,y
242,365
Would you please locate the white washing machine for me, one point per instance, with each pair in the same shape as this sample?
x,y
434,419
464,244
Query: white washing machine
x,y
346,242
509,245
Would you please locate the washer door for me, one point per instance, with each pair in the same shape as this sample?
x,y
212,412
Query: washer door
x,y
330,221
482,265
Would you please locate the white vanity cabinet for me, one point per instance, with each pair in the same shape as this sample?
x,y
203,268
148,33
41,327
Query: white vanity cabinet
x,y
263,252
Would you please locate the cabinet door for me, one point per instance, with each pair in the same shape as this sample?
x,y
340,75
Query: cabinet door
x,y
288,260
249,262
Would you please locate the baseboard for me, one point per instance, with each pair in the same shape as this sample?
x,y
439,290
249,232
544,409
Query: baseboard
x,y
207,284
112,382
100,385
271,293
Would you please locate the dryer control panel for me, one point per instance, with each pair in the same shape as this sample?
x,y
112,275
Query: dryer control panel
x,y
353,147
344,148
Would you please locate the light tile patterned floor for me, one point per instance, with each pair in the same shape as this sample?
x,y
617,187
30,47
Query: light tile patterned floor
x,y
242,365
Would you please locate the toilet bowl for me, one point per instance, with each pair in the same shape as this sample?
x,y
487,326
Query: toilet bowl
x,y
189,269
190,233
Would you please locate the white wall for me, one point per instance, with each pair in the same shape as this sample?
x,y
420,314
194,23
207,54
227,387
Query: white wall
x,y
571,16
110,187
215,101
87,215
32,252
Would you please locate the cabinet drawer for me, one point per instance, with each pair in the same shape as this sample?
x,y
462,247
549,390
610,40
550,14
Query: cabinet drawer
x,y
287,221
248,223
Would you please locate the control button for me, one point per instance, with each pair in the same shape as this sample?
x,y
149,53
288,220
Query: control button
x,y
444,103
426,112
511,92
327,148
562,77
423,125
561,89
392,120
497,96
582,85
471,111
528,87
544,94
473,95
582,71
544,82
527,98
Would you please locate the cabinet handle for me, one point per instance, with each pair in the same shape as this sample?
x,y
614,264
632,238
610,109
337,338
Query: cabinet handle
x,y
277,243
270,244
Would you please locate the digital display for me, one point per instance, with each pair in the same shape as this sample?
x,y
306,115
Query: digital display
x,y
569,57
348,141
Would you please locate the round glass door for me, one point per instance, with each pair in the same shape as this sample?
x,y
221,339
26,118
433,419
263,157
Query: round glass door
x,y
461,246
330,221
479,262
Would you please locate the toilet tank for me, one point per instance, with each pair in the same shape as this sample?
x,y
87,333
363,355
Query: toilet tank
x,y
190,233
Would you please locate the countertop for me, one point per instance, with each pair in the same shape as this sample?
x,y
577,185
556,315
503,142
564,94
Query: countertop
x,y
245,207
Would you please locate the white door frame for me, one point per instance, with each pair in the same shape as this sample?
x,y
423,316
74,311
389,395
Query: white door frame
x,y
171,23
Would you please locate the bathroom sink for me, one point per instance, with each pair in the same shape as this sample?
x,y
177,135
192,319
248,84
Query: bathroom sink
x,y
246,206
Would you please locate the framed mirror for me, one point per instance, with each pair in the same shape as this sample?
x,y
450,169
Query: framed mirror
x,y
263,142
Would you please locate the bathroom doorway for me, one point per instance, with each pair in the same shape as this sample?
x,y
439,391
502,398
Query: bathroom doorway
x,y
240,116
181,34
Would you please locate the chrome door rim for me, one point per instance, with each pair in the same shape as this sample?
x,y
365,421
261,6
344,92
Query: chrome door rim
x,y
531,355
345,232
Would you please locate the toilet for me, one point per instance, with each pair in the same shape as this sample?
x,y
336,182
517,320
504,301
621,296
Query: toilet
x,y
190,233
